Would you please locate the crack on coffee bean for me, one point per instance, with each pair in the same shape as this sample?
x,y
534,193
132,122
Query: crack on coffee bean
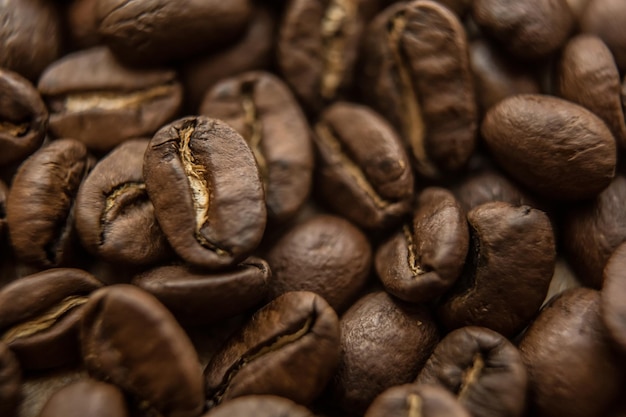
x,y
269,346
253,126
14,129
329,140
414,405
412,252
470,376
338,15
111,100
45,321
467,280
119,200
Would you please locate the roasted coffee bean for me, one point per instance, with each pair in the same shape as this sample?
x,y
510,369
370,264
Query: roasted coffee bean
x,y
30,36
421,262
552,146
588,76
86,398
262,109
412,400
114,217
482,369
98,101
130,339
206,189
606,19
592,230
507,272
158,31
40,314
40,207
324,254
371,329
4,194
578,8
532,29
37,388
23,118
200,297
259,406
416,72
81,24
363,172
571,369
612,296
289,348
10,381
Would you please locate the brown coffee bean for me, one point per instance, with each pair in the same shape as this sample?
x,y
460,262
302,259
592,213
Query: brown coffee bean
x,y
613,292
364,172
324,254
206,189
4,194
262,109
37,388
289,348
424,260
40,207
507,272
606,19
531,29
94,99
411,400
550,145
200,297
81,24
588,76
482,369
571,369
23,118
372,328
259,406
114,217
416,72
40,314
86,398
10,382
130,339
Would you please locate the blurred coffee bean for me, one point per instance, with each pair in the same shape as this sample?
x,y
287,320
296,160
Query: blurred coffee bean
x,y
81,24
606,19
4,194
412,400
86,398
10,382
259,406
613,295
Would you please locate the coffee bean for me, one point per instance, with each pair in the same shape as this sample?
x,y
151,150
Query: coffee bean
x,y
412,400
81,24
4,193
259,406
86,398
550,145
206,189
40,314
606,19
262,109
37,388
421,262
10,382
130,339
364,172
482,369
96,100
288,348
612,295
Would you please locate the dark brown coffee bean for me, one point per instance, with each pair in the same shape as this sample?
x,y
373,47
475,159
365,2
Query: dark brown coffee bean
x,y
131,340
81,24
259,406
262,109
98,101
324,254
10,382
371,329
40,313
613,295
411,400
86,398
206,189
199,297
4,194
288,348
416,73
588,76
364,172
606,19
507,272
158,31
482,369
424,260
40,207
571,369
532,29
23,118
114,217
550,145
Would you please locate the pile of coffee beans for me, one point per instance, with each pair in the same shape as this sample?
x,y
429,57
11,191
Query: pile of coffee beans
x,y
298,208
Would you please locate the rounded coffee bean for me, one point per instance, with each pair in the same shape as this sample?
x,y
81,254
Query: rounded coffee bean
x,y
424,260
363,172
23,117
324,254
130,340
508,270
412,400
206,189
572,370
288,348
10,382
612,297
86,398
482,369
606,19
259,406
552,146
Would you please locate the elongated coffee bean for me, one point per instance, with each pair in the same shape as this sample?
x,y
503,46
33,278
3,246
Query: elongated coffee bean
x,y
86,398
415,400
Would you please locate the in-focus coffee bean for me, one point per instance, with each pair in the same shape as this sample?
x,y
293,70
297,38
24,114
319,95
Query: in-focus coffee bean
x,y
87,397
411,400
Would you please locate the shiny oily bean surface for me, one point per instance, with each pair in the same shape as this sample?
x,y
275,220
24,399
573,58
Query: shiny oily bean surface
x,y
259,406
10,381
199,172
612,297
411,400
84,398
